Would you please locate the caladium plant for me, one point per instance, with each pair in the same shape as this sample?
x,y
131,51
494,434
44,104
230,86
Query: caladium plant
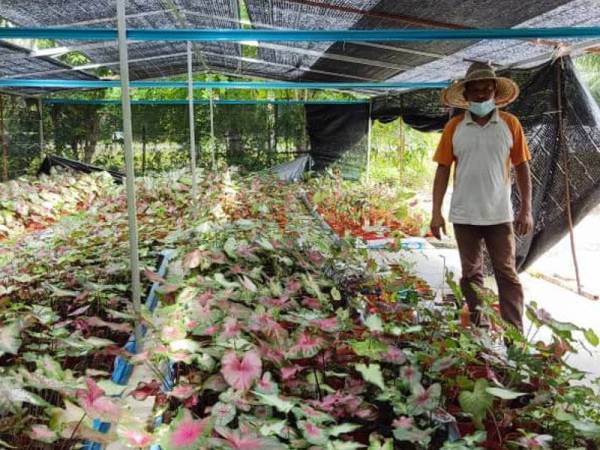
x,y
262,318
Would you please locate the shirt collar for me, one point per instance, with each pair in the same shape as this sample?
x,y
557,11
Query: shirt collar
x,y
469,118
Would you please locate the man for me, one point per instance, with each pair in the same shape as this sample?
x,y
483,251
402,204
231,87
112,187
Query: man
x,y
483,143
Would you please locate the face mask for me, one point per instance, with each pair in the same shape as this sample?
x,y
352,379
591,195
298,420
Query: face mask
x,y
482,109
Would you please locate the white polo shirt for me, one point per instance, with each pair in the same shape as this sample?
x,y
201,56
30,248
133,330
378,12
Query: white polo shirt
x,y
483,156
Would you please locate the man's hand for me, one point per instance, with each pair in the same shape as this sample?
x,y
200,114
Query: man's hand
x,y
438,224
524,222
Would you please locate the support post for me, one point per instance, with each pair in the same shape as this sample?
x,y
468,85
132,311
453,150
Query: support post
x,y
192,127
212,131
144,149
369,139
129,173
565,156
41,132
3,143
401,148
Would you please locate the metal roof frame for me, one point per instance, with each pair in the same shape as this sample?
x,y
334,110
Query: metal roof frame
x,y
100,84
229,35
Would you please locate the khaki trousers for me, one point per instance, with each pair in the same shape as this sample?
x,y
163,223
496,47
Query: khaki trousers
x,y
500,242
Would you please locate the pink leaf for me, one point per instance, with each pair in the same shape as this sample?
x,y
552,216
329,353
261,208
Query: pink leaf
x,y
205,297
266,385
241,374
153,276
290,372
306,345
245,440
188,431
231,328
209,331
42,433
137,438
193,259
171,333
403,422
96,405
183,391
330,324
265,324
394,355
311,302
293,286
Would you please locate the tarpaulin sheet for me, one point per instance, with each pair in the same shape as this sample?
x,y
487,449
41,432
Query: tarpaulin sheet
x,y
57,161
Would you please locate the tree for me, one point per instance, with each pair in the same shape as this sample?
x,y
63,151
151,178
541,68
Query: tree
x,y
589,67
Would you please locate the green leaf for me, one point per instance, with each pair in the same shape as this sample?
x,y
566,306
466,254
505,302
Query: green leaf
x,y
6,444
265,244
504,394
376,444
97,342
10,340
343,428
591,337
374,323
477,402
371,348
111,388
12,396
335,294
285,406
372,374
58,292
223,413
220,278
312,433
273,428
343,445
185,345
230,248
587,429
443,363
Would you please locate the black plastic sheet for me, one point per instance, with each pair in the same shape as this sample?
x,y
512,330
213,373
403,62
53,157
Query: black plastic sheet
x,y
56,161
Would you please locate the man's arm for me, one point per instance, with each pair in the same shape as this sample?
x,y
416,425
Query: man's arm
x,y
524,221
440,184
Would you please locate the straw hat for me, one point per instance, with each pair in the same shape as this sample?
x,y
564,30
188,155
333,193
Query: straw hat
x,y
506,89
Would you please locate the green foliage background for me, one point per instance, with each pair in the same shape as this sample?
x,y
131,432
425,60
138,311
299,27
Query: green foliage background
x,y
250,136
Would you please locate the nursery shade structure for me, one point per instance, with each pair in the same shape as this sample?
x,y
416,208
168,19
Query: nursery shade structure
x,y
323,58
338,59
16,61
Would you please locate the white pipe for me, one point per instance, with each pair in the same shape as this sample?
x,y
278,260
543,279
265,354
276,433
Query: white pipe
x,y
192,128
213,143
369,139
129,174
41,131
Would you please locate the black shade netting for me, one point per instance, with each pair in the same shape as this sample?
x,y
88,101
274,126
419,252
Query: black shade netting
x,y
252,136
338,134
258,136
20,143
556,157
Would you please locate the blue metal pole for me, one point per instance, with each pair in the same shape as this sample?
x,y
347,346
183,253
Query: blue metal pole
x,y
101,102
99,84
396,35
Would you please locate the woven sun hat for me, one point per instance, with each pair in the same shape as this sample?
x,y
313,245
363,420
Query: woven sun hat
x,y
506,89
